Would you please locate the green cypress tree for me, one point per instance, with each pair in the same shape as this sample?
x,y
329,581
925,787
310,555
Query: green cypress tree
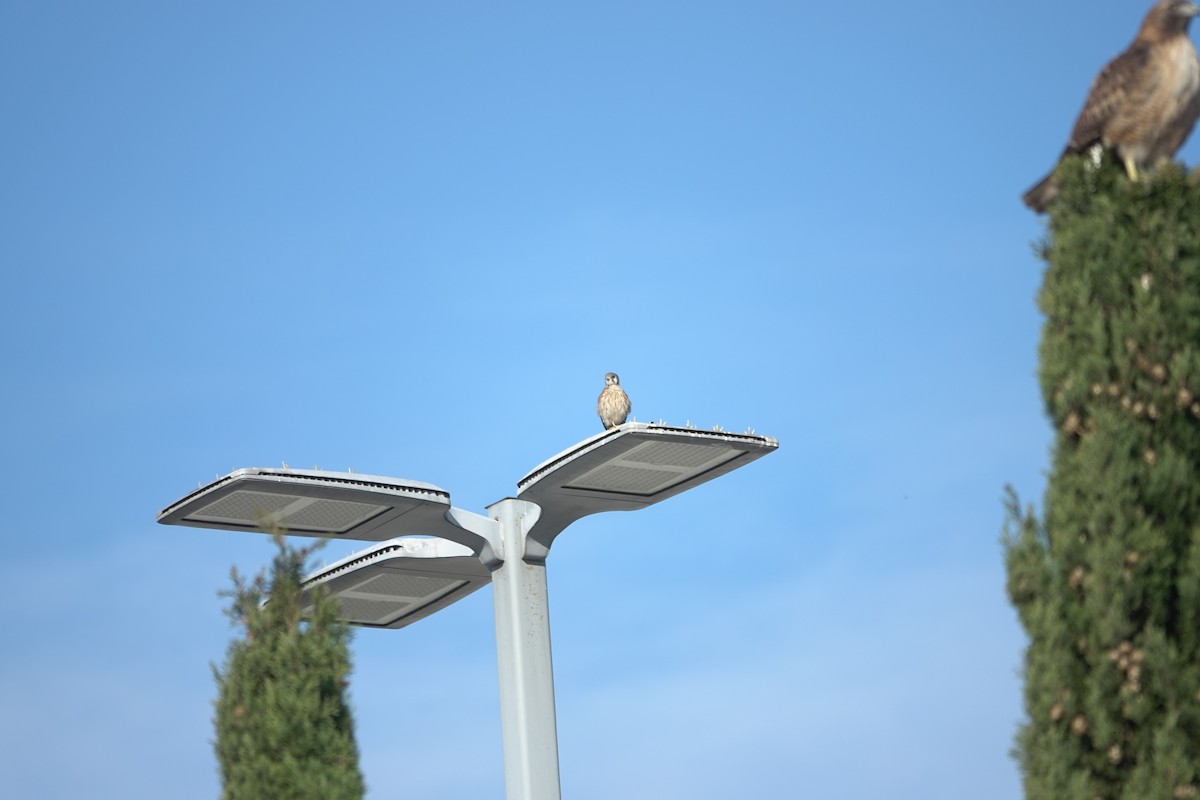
x,y
284,728
1107,583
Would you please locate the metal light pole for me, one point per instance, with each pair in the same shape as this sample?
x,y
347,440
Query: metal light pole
x,y
430,554
523,658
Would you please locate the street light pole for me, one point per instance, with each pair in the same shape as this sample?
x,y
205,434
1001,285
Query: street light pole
x,y
429,554
524,660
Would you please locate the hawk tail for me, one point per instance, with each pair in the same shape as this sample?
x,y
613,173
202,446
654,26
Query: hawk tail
x,y
1042,194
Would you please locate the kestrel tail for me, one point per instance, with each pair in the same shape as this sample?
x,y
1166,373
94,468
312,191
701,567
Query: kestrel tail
x,y
613,404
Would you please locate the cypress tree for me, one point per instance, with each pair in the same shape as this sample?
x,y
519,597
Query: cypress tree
x,y
284,728
1107,583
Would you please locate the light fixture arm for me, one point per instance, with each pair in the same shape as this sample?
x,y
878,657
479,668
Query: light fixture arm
x,y
481,534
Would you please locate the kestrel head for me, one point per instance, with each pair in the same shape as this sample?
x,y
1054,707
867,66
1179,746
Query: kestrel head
x,y
611,379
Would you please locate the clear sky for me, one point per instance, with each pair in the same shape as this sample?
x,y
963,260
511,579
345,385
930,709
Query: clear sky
x,y
410,239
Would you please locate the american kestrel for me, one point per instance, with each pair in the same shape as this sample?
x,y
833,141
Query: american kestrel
x,y
613,405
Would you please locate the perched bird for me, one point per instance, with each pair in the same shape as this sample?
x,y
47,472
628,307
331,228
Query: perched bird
x,y
1144,103
613,404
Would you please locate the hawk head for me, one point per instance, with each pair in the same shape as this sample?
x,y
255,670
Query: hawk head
x,y
1168,18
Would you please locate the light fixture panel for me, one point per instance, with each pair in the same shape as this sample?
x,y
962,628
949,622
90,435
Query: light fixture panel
x,y
313,503
395,583
628,467
653,467
243,508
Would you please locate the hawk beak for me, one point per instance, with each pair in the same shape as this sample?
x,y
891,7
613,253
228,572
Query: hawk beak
x,y
1188,9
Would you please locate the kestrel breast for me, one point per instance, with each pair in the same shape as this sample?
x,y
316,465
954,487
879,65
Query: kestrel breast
x,y
613,406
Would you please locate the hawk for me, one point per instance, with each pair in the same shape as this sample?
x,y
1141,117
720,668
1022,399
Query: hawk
x,y
1144,102
613,404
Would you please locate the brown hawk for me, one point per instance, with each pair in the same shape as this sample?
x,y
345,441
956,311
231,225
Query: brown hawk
x,y
1144,103
613,404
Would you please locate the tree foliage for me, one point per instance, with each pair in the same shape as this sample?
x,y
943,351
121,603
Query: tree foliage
x,y
1107,583
284,727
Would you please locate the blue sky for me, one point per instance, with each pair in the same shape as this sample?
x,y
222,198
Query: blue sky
x,y
410,239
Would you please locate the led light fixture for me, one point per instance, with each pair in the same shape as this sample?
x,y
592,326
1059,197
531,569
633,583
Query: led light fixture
x,y
302,502
631,466
396,583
